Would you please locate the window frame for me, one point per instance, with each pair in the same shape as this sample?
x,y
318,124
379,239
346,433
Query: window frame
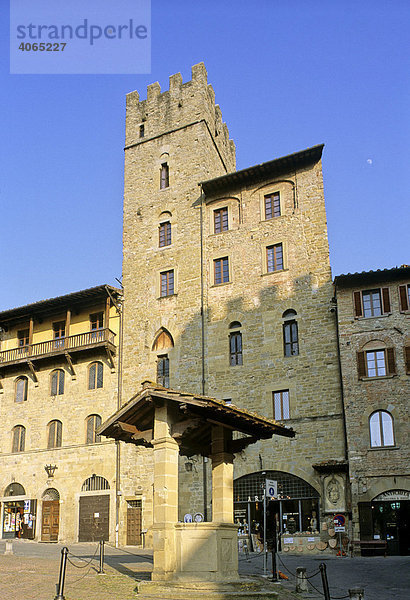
x,y
281,399
272,250
23,339
221,219
167,283
235,349
293,344
404,297
18,443
163,370
164,176
272,206
54,438
389,362
381,429
57,389
97,377
59,331
164,234
223,269
359,308
23,379
90,430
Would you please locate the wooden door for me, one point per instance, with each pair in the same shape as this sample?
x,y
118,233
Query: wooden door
x,y
94,518
50,521
134,521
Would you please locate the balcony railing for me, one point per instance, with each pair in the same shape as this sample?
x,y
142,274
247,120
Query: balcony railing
x,y
58,345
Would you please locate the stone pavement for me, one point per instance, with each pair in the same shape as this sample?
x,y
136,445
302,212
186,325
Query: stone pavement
x,y
31,573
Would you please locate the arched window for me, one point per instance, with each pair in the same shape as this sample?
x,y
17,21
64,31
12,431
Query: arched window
x,y
290,333
93,422
95,376
21,389
14,489
94,483
381,429
19,438
235,344
163,340
50,494
57,382
55,434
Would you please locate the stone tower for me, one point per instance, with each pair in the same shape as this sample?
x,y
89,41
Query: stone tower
x,y
174,140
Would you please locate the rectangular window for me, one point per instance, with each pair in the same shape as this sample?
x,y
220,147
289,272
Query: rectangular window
x,y
142,131
164,176
272,206
163,370
23,340
376,363
59,334
221,270
281,405
290,338
372,303
165,234
167,283
97,326
404,295
220,220
235,348
274,258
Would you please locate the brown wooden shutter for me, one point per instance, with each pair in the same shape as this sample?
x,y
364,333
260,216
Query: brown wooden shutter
x,y
407,357
391,363
386,300
361,364
358,304
404,301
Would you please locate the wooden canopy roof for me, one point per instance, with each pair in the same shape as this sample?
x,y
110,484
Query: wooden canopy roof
x,y
194,417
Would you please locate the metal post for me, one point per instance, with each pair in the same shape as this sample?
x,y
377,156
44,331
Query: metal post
x,y
265,556
325,584
356,594
101,570
61,579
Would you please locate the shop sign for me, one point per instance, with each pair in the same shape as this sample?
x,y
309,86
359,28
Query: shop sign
x,y
393,495
271,488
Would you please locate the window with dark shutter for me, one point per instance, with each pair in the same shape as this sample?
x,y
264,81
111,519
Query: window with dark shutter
x,y
386,300
163,370
361,365
357,304
391,362
407,358
235,348
404,294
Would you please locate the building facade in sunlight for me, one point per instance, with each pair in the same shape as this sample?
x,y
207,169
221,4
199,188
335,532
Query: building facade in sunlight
x,y
373,314
59,381
228,293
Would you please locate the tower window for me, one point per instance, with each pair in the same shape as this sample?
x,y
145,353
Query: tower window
x,y
163,370
93,422
55,431
23,341
142,130
272,206
165,234
281,405
274,258
19,438
164,176
221,270
21,389
235,348
57,382
221,220
95,376
381,429
167,283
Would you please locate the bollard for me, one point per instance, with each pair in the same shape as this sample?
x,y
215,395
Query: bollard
x,y
301,581
61,579
325,584
101,570
9,547
356,594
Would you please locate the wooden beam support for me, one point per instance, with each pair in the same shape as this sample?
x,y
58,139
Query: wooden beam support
x,y
33,371
180,428
236,446
110,358
70,364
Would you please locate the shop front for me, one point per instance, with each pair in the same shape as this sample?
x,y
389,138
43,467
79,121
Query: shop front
x,y
387,517
19,513
293,513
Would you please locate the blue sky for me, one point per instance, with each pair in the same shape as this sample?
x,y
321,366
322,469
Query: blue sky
x,y
287,74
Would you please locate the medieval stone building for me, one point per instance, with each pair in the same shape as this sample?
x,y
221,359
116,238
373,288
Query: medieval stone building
x,y
373,315
228,293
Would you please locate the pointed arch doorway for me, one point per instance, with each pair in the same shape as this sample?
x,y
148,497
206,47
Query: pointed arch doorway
x,y
50,515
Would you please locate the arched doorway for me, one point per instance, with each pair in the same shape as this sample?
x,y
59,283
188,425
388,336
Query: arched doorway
x,y
94,510
387,517
295,509
50,520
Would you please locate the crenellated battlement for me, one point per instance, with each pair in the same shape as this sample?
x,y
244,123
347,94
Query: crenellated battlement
x,y
181,105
